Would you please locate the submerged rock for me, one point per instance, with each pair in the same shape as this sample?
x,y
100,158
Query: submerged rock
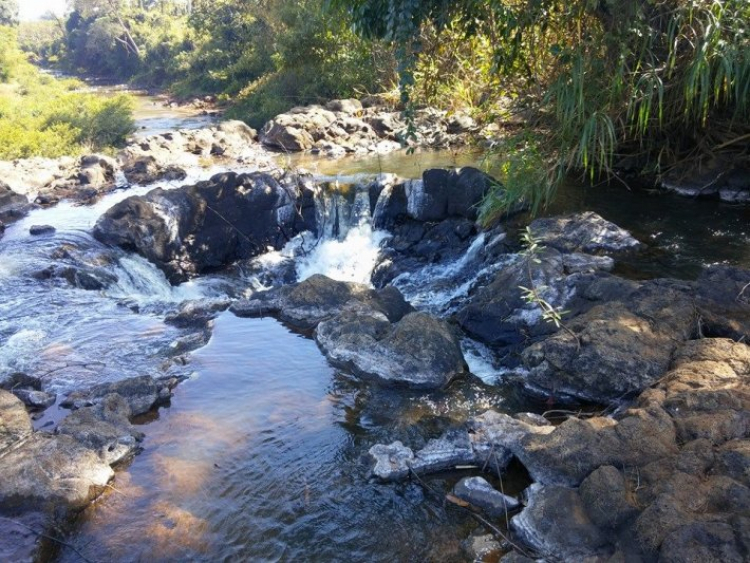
x,y
36,230
208,226
479,493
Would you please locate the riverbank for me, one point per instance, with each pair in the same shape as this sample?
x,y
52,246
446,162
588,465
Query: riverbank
x,y
448,305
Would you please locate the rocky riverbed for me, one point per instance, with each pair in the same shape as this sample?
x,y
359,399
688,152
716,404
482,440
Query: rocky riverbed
x,y
642,451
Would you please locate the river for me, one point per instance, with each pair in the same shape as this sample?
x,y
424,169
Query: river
x,y
261,455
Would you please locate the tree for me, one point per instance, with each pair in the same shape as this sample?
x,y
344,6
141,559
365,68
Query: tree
x,y
9,12
666,82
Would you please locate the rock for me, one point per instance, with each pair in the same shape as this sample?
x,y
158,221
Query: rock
x,y
350,106
35,399
479,493
460,123
723,302
13,206
583,232
104,428
36,230
318,298
14,420
702,542
51,470
500,314
604,495
614,350
208,226
286,138
491,435
419,351
96,170
147,170
570,537
447,193
141,393
240,129
197,313
395,462
718,178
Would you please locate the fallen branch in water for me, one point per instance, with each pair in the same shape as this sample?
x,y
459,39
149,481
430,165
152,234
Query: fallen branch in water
x,y
48,537
494,529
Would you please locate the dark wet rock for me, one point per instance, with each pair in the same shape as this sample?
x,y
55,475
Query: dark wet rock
x,y
211,224
479,493
583,232
569,537
318,298
104,428
18,380
439,195
718,178
13,206
419,350
481,547
78,274
499,313
723,302
616,349
141,393
197,313
36,230
35,399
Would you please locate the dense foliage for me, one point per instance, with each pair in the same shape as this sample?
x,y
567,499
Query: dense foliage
x,y
8,12
659,82
43,116
260,56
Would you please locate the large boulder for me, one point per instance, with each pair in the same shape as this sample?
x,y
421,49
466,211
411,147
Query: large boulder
x,y
614,350
500,313
583,232
211,224
419,351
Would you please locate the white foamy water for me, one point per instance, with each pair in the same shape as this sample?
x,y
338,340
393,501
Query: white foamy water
x,y
351,259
